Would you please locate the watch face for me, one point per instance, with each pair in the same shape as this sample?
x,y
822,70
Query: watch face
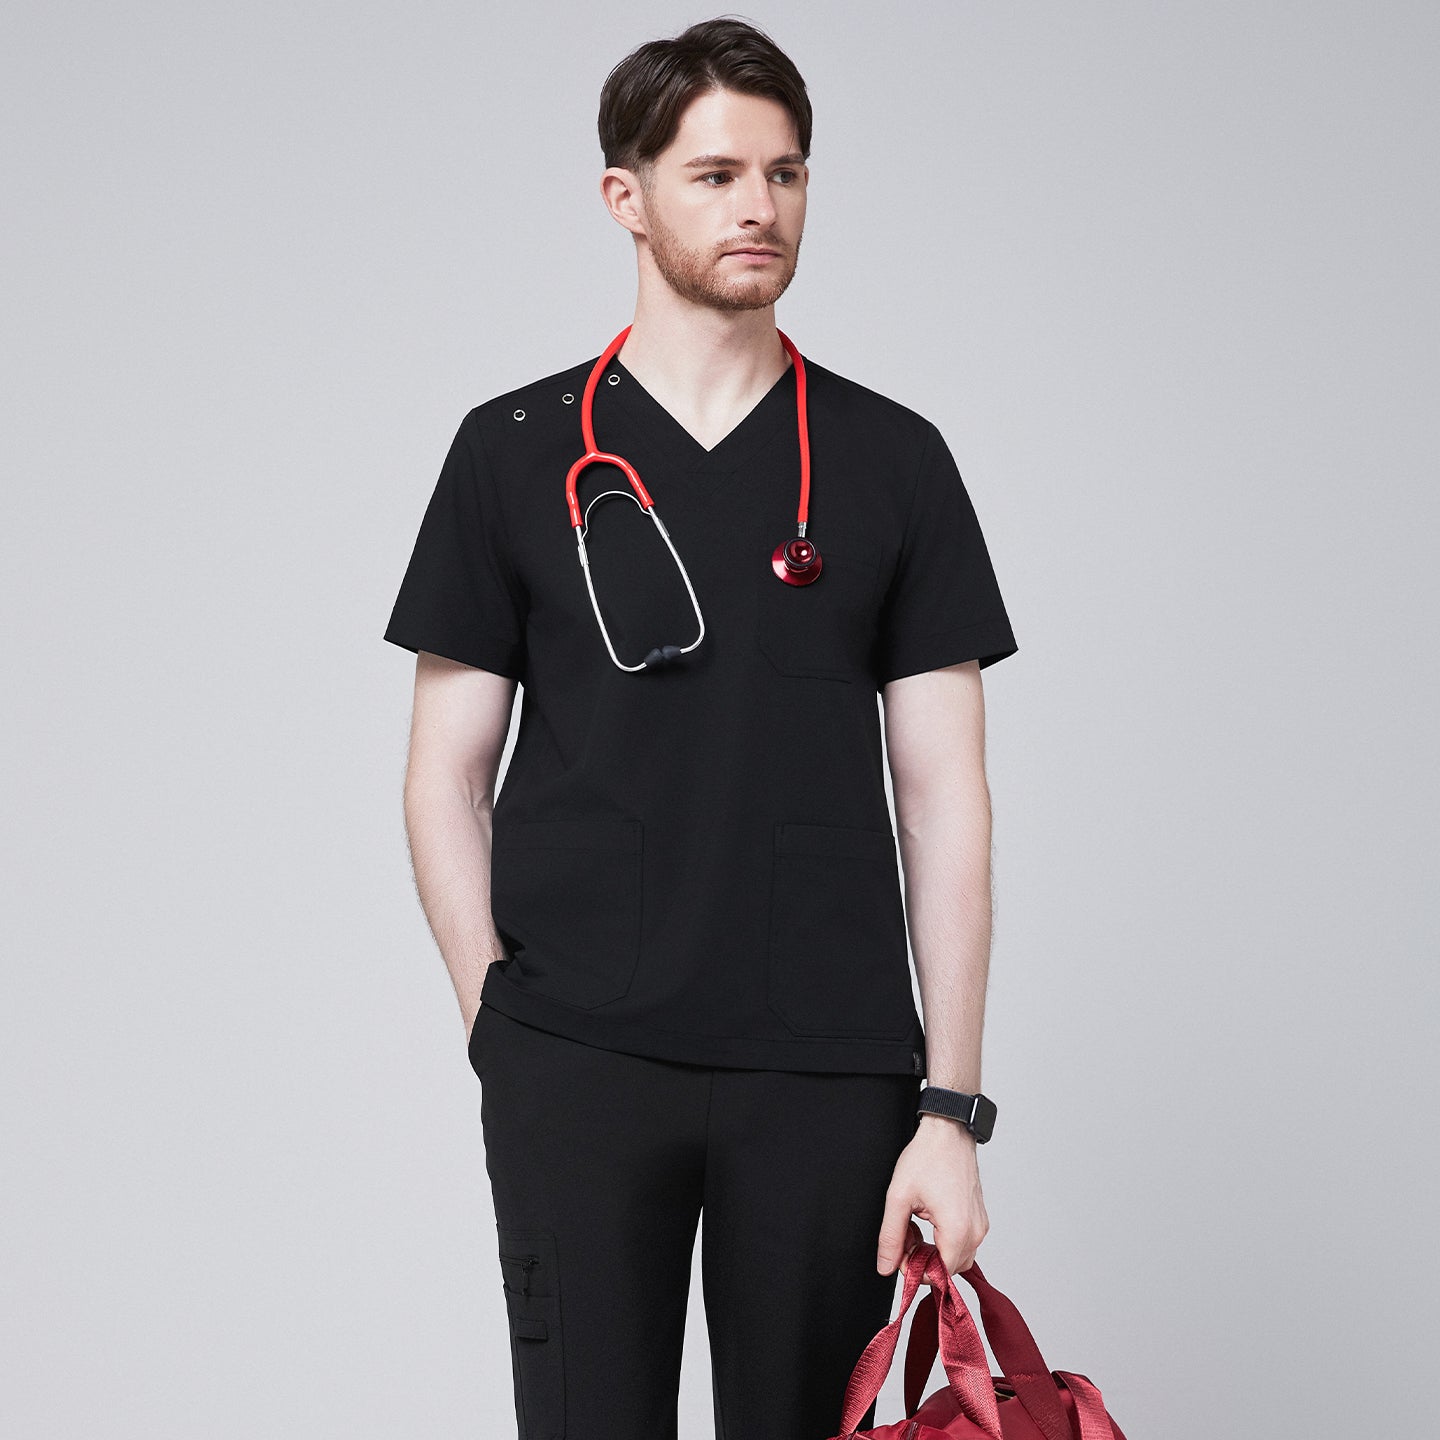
x,y
983,1126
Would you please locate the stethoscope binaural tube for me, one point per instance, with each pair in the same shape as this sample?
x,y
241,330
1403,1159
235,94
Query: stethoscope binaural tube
x,y
796,561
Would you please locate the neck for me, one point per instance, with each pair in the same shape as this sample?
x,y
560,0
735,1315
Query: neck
x,y
699,357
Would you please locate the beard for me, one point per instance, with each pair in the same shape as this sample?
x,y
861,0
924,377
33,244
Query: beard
x,y
695,274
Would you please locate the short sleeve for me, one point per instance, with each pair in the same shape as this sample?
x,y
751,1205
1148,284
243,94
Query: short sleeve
x,y
943,605
460,597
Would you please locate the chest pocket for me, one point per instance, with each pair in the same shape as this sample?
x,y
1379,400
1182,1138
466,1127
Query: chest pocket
x,y
824,630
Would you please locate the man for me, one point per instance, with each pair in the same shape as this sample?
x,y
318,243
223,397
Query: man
x,y
677,935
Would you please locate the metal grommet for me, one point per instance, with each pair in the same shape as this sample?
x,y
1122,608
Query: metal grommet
x,y
613,379
519,414
568,399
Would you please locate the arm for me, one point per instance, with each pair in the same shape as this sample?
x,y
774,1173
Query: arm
x,y
457,735
935,738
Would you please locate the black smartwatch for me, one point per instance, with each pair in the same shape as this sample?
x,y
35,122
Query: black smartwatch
x,y
975,1112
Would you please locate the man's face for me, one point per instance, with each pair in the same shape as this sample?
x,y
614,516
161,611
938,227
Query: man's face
x,y
724,202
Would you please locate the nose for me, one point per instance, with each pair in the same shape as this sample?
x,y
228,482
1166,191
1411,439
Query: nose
x,y
757,208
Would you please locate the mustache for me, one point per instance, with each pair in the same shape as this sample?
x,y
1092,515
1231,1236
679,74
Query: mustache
x,y
754,242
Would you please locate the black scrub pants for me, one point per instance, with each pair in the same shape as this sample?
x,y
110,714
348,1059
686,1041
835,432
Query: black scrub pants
x,y
600,1164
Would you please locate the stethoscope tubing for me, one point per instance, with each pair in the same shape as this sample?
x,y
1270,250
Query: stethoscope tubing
x,y
595,456
684,575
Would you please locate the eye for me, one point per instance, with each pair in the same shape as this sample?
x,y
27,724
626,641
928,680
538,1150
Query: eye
x,y
787,177
714,175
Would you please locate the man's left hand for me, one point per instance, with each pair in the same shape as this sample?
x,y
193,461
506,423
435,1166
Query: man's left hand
x,y
937,1177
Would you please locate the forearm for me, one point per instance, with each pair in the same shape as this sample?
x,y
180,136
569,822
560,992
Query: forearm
x,y
449,834
935,731
945,850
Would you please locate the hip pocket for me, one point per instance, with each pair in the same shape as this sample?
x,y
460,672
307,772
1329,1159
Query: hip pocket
x,y
824,630
839,963
531,1280
482,1018
565,899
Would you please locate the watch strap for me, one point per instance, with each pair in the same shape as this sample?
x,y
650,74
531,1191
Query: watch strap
x,y
975,1112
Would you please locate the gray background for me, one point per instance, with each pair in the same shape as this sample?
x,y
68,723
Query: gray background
x,y
1163,274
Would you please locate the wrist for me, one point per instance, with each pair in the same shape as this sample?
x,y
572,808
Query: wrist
x,y
972,1112
930,1121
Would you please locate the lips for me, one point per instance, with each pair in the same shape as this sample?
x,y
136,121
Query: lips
x,y
752,250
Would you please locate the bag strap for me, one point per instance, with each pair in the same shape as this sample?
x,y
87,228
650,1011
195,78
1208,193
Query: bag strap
x,y
1095,1421
921,1352
962,1352
1015,1350
1019,1357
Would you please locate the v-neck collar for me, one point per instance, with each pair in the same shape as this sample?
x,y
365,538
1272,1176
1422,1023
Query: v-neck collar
x,y
668,435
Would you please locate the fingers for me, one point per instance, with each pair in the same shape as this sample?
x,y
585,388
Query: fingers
x,y
899,1235
958,1254
959,1257
913,1237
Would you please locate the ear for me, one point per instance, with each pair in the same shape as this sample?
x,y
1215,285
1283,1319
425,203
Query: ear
x,y
620,189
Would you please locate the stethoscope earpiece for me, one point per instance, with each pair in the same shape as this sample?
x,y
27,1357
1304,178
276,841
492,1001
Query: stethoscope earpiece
x,y
797,562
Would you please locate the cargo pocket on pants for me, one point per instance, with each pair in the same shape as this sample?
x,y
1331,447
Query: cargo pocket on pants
x,y
531,1279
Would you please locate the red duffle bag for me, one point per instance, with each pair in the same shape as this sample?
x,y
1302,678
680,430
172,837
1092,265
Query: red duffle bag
x,y
1029,1402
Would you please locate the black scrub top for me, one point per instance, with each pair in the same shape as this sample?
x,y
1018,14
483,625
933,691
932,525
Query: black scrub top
x,y
696,863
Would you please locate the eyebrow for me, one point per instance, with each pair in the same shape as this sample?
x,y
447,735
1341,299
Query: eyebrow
x,y
729,162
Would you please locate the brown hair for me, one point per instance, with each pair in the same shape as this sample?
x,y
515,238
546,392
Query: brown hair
x,y
645,95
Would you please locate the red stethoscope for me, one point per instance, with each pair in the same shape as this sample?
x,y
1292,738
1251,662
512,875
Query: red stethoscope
x,y
796,562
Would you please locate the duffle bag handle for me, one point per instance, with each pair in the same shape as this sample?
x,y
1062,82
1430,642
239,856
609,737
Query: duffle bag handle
x,y
1019,1359
962,1352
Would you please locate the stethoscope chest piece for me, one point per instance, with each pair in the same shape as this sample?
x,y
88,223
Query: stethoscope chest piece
x,y
797,561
